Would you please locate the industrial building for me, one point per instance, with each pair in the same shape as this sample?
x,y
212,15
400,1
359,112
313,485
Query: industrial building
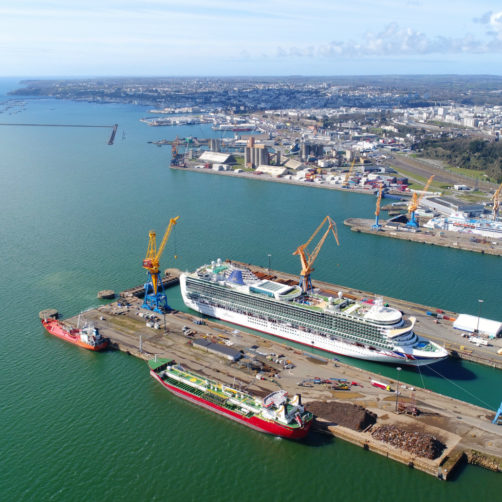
x,y
255,155
272,170
217,158
218,349
449,206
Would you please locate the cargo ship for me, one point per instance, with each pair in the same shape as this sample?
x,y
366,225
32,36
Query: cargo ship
x,y
276,414
88,337
333,323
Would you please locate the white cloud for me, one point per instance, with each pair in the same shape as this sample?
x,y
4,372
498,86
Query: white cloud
x,y
496,24
396,41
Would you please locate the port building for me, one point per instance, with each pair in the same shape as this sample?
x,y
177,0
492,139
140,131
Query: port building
x,y
450,205
217,158
272,170
473,324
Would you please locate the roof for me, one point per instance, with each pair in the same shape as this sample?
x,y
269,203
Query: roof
x,y
469,323
456,204
294,164
272,170
216,157
216,348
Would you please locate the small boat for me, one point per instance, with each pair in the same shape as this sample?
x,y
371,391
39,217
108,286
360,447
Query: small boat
x,y
276,414
88,337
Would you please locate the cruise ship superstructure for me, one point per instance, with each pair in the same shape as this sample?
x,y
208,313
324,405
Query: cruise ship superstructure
x,y
318,319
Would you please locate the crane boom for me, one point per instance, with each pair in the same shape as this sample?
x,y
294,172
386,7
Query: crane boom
x,y
172,223
347,176
307,259
496,201
377,209
376,225
151,261
415,200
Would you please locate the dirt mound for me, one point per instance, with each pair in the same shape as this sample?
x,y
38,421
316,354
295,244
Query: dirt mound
x,y
419,443
346,414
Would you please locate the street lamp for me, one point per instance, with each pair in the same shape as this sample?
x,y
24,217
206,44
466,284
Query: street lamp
x,y
479,315
269,256
397,388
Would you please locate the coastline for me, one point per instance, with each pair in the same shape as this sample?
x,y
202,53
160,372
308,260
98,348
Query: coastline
x,y
266,177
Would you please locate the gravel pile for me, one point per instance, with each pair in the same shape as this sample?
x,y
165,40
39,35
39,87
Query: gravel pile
x,y
348,415
419,443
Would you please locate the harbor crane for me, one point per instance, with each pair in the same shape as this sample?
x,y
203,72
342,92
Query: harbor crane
x,y
415,201
345,183
496,202
377,225
307,258
155,298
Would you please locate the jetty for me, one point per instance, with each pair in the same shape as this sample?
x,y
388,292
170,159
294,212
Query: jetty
x,y
404,421
110,141
455,240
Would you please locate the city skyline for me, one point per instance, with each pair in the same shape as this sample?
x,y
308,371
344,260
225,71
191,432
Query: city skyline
x,y
161,37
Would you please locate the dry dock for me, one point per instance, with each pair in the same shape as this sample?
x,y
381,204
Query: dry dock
x,y
465,430
455,240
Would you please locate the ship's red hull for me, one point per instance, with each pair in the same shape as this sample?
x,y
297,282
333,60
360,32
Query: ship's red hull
x,y
259,424
55,328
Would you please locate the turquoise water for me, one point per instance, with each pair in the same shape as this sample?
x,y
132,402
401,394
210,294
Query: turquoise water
x,y
74,219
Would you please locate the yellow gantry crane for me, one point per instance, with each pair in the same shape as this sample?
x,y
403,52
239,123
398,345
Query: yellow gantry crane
x,y
496,202
345,183
307,258
415,201
155,299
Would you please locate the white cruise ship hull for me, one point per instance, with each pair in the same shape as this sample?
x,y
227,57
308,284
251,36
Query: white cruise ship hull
x,y
286,331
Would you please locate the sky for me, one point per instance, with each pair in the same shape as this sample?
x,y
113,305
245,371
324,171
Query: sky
x,y
41,38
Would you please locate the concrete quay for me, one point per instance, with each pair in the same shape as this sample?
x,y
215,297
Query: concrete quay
x,y
465,430
455,240
274,179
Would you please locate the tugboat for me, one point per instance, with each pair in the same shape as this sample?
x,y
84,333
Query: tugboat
x,y
276,414
88,337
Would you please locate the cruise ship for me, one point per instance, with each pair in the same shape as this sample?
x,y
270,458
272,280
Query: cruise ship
x,y
333,323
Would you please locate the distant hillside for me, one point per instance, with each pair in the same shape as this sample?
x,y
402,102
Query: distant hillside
x,y
468,153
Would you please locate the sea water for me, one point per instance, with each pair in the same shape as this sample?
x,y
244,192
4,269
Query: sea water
x,y
75,215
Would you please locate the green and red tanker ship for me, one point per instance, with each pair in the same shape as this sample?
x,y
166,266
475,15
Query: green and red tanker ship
x,y
276,414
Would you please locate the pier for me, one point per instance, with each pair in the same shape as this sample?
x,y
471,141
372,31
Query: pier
x,y
454,240
110,141
466,431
